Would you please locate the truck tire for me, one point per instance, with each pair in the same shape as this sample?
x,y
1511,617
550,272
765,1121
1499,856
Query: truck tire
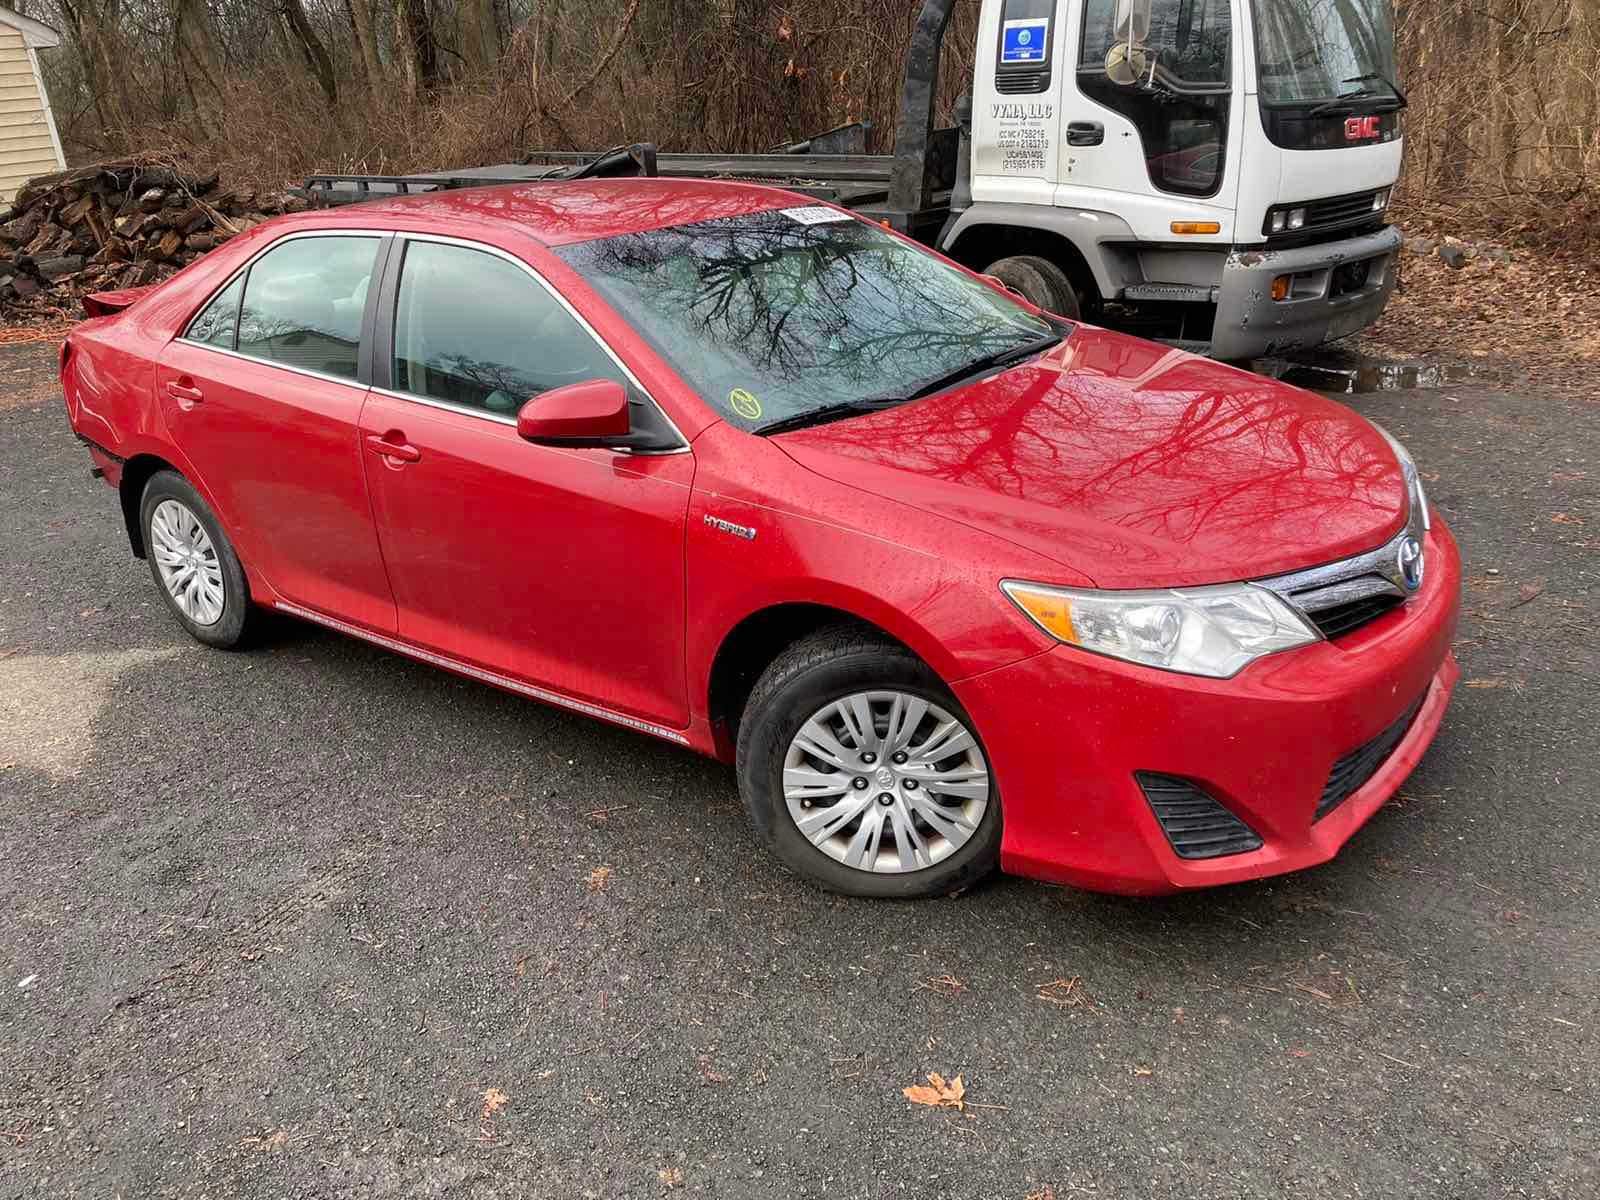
x,y
1041,282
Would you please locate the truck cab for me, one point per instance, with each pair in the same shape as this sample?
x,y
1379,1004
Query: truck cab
x,y
1211,172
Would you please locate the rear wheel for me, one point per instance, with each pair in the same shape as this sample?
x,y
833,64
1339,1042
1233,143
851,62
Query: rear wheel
x,y
193,562
1041,282
863,773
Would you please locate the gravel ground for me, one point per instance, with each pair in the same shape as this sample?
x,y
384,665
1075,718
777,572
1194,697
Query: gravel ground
x,y
319,921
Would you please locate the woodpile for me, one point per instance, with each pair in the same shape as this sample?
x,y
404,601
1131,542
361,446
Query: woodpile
x,y
116,225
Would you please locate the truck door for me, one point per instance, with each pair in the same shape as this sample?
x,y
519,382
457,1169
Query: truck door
x,y
1021,63
1147,112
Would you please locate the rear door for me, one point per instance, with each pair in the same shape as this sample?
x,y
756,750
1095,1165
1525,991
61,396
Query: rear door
x,y
553,566
263,392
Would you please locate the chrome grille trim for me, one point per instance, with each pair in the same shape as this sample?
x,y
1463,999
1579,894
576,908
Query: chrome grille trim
x,y
1373,573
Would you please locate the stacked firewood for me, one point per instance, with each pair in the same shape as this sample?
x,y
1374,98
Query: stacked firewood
x,y
115,225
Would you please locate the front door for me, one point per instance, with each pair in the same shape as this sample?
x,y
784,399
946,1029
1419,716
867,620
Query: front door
x,y
261,393
562,568
1146,111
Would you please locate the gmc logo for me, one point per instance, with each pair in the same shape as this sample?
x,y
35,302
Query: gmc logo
x,y
1360,128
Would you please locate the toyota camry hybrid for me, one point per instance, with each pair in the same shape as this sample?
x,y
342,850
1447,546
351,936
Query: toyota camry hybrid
x,y
951,581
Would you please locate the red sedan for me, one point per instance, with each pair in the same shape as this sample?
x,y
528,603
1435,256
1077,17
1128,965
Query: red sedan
x,y
951,581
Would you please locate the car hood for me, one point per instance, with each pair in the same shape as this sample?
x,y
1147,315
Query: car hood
x,y
1130,463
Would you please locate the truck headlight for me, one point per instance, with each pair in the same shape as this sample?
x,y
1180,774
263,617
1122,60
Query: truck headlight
x,y
1380,199
1408,468
1214,631
1297,218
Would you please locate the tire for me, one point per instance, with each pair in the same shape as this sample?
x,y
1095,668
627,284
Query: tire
x,y
844,665
183,539
1042,282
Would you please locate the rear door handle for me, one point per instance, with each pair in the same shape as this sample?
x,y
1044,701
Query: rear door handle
x,y
184,393
1085,133
401,451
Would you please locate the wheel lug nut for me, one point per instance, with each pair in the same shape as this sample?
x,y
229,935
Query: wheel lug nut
x,y
911,785
869,757
900,756
885,799
859,783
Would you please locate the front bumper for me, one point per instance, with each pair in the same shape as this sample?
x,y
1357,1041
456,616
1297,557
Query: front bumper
x,y
1250,323
1066,730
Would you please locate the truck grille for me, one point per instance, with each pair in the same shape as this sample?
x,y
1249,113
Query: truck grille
x,y
1196,825
1347,214
1355,769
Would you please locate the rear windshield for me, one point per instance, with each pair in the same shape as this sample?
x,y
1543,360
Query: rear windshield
x,y
770,315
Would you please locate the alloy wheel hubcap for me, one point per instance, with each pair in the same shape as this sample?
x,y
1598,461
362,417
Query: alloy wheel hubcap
x,y
885,782
188,562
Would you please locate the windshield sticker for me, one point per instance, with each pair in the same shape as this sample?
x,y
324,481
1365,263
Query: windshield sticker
x,y
745,404
816,214
1024,41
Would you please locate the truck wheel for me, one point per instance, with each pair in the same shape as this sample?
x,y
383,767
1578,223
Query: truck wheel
x,y
862,772
1041,282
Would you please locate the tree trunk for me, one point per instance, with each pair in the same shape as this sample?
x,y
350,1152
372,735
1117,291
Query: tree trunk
x,y
480,38
365,33
311,46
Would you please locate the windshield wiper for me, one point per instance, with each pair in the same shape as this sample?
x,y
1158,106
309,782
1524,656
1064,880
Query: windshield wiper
x,y
820,416
1341,103
850,408
1380,77
988,362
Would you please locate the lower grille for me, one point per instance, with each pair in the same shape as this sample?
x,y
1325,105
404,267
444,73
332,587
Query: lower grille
x,y
1354,770
1196,825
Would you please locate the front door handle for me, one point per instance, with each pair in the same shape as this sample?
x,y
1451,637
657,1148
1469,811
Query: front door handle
x,y
185,393
398,449
1085,133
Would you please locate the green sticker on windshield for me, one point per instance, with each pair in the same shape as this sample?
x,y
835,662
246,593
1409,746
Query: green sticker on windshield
x,y
745,404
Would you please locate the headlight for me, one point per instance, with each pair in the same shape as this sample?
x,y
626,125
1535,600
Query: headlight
x,y
1215,631
1297,218
1380,199
1413,477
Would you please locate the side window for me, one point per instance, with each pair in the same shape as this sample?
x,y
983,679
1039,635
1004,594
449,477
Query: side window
x,y
219,320
475,330
303,302
1179,100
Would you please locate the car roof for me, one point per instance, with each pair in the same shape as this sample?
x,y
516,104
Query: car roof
x,y
561,213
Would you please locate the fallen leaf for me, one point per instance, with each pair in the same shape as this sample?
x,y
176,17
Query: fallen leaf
x,y
598,878
940,1094
1142,1071
785,30
670,1176
493,1101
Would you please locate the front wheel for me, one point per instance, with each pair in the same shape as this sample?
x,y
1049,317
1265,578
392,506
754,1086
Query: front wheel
x,y
863,773
194,563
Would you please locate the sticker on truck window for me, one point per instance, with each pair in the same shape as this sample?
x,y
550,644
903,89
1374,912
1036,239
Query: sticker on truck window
x,y
1024,41
745,404
816,214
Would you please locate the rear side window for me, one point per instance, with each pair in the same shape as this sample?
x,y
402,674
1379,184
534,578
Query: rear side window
x,y
219,320
303,302
474,330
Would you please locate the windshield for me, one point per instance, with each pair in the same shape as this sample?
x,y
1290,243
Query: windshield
x,y
775,314
1314,50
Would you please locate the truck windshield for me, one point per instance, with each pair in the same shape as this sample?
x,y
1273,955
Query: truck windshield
x,y
773,316
1316,50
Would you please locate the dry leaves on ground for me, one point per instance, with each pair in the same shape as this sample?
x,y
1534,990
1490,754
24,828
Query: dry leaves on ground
x,y
598,878
939,1094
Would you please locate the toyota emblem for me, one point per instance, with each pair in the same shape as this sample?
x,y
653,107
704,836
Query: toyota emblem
x,y
1410,563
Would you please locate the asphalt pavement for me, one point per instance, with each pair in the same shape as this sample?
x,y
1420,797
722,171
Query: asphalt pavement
x,y
318,921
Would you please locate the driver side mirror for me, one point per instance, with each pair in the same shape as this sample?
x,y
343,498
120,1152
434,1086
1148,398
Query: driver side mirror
x,y
592,413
